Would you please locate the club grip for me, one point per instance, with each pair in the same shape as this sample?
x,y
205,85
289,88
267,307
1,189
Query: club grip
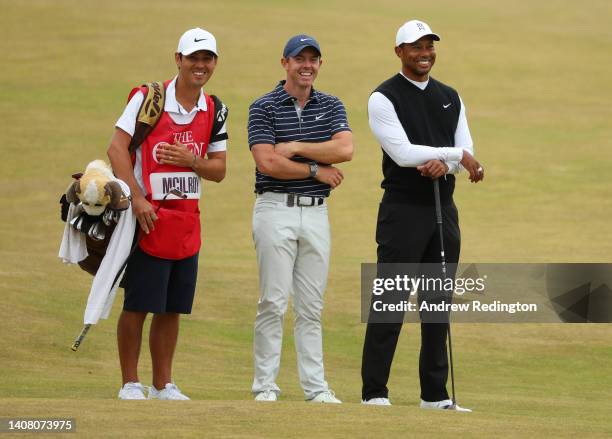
x,y
436,186
80,338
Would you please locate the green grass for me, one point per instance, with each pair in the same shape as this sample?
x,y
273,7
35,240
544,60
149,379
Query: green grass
x,y
535,79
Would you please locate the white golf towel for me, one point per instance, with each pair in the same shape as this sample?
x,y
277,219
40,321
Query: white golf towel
x,y
73,250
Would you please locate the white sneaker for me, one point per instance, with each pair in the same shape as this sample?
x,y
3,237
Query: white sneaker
x,y
266,395
376,401
445,404
326,397
132,391
170,392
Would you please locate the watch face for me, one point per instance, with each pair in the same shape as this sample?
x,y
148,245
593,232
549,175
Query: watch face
x,y
313,169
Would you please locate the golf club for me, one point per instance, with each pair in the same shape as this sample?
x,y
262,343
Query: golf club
x,y
436,186
173,191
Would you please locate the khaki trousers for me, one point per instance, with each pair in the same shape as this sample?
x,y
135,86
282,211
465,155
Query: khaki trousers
x,y
293,246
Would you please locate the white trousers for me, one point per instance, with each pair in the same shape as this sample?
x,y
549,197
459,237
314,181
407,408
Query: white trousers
x,y
293,246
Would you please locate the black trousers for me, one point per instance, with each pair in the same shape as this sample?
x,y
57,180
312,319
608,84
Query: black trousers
x,y
408,233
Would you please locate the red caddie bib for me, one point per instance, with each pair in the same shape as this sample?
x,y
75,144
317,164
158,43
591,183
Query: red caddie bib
x,y
177,228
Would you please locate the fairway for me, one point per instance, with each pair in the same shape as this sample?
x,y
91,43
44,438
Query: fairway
x,y
535,79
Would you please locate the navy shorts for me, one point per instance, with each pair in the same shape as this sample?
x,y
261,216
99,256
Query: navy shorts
x,y
159,285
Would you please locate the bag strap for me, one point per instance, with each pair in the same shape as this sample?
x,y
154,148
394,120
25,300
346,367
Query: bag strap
x,y
219,119
149,113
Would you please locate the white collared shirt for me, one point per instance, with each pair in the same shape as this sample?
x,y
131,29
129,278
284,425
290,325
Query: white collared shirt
x,y
127,121
390,133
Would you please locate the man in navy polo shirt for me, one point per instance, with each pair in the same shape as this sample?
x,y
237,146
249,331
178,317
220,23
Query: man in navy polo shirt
x,y
296,134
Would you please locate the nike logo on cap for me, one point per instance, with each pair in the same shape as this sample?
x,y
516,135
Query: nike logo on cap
x,y
195,40
305,39
446,106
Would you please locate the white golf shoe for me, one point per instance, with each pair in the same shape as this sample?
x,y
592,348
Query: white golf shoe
x,y
132,391
445,404
266,395
170,392
376,401
326,397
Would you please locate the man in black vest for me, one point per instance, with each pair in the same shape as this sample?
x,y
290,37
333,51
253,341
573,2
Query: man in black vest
x,y
421,126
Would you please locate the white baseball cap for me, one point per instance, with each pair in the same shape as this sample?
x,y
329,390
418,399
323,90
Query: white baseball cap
x,y
413,30
197,39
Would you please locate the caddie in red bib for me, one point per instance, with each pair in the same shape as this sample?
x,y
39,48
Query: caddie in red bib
x,y
177,228
169,137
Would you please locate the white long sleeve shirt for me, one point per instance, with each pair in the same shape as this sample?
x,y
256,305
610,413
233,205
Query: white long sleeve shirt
x,y
389,132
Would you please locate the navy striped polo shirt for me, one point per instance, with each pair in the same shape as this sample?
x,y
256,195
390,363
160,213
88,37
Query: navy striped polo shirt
x,y
273,119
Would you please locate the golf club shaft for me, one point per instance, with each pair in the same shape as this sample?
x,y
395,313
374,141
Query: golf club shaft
x,y
436,185
452,371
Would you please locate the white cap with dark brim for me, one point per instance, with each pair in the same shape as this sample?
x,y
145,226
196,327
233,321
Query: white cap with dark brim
x,y
412,31
197,39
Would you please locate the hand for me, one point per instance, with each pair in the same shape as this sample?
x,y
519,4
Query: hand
x,y
145,214
329,175
433,169
177,154
473,167
286,149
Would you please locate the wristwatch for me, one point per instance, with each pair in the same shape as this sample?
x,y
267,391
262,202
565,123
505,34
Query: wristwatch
x,y
314,168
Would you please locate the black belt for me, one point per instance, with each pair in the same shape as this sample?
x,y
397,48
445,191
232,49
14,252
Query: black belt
x,y
303,200
292,200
